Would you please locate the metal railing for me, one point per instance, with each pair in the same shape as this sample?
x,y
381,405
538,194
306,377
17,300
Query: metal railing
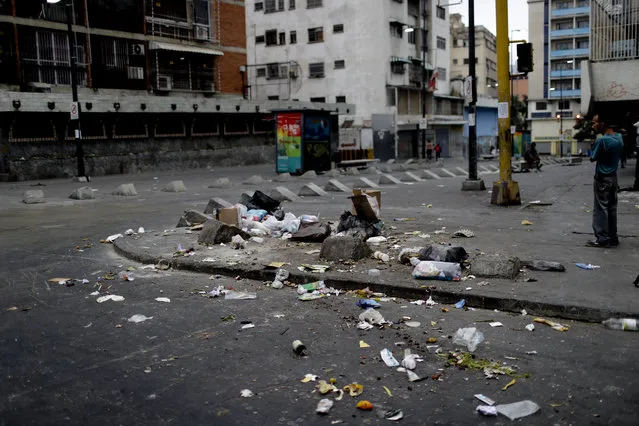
x,y
614,30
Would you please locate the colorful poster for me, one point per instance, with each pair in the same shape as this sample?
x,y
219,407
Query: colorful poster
x,y
317,137
518,145
289,142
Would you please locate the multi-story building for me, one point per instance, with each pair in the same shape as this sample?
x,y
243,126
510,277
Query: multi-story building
x,y
560,33
370,55
485,58
160,85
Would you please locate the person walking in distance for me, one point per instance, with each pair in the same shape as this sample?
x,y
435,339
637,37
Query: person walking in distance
x,y
429,149
607,153
438,151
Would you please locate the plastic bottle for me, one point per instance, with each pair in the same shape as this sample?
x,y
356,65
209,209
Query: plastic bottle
x,y
381,256
298,347
626,324
588,266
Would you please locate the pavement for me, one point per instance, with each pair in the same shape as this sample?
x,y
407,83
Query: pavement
x,y
558,233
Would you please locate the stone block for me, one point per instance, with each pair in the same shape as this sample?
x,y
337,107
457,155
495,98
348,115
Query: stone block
x,y
254,180
366,183
310,175
331,173
83,193
220,183
281,193
311,190
195,217
334,185
246,197
410,177
33,196
283,177
175,186
427,174
494,266
216,203
389,180
215,232
81,179
386,169
126,190
344,248
352,171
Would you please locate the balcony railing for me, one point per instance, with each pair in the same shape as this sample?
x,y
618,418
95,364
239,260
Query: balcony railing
x,y
565,73
570,32
572,93
570,12
569,52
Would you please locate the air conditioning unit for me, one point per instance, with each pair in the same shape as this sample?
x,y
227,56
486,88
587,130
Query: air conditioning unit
x,y
137,49
201,32
165,82
135,73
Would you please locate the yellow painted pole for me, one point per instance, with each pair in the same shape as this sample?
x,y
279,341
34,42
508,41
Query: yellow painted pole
x,y
505,190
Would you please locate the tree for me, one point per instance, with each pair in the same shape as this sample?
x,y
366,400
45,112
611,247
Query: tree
x,y
584,129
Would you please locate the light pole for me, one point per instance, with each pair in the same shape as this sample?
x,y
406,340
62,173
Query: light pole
x,y
510,63
79,151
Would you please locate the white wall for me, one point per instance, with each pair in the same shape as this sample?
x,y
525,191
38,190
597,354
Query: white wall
x,y
439,58
615,80
536,35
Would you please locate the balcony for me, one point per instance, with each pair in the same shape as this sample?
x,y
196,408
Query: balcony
x,y
572,93
570,12
569,53
570,32
565,73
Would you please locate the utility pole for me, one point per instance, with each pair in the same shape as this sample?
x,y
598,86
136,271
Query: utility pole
x,y
423,47
472,183
505,190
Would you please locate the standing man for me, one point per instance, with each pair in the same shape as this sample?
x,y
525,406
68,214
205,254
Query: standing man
x,y
429,149
607,153
438,151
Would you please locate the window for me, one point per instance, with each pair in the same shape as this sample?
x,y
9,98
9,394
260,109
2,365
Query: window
x,y
441,74
441,12
567,25
273,70
282,38
396,30
467,61
562,5
411,37
564,105
261,72
338,28
319,100
270,6
583,3
563,45
491,65
582,24
271,37
310,4
340,64
259,39
491,82
316,35
280,5
274,98
541,106
441,43
390,97
316,70
397,68
340,99
293,37
583,44
291,4
259,6
455,61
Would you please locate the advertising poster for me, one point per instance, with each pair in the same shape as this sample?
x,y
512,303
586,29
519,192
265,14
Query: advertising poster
x,y
317,137
518,145
289,142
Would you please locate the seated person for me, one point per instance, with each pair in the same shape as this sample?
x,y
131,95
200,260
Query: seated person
x,y
532,156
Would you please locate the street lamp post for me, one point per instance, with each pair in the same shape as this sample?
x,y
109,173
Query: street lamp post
x,y
79,151
560,109
510,67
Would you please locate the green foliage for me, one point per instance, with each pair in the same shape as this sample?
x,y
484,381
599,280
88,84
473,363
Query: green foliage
x,y
584,130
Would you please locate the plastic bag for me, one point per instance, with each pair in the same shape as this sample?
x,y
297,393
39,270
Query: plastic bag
x,y
442,253
370,315
256,215
238,242
239,295
261,201
518,410
430,270
407,253
354,226
312,232
468,337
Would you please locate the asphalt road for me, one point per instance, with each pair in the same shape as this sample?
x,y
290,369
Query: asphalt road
x,y
63,360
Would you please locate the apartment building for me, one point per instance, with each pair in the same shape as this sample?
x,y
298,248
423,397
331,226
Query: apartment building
x,y
485,58
560,33
373,54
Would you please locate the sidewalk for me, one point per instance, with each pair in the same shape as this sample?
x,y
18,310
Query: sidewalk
x,y
558,233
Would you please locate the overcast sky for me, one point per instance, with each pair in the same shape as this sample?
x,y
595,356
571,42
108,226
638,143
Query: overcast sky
x,y
485,15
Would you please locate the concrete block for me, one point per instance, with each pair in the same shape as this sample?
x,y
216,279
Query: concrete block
x,y
386,169
220,183
352,171
473,185
281,193
33,196
427,174
311,190
310,175
254,180
337,248
445,173
216,203
216,232
410,177
462,172
334,185
175,186
494,266
193,217
83,193
80,179
331,173
391,161
409,161
283,177
126,190
389,180
246,196
366,183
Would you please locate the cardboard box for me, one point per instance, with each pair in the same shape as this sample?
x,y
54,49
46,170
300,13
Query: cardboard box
x,y
365,207
359,201
230,216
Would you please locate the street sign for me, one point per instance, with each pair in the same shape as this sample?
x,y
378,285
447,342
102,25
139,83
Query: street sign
x,y
423,123
513,130
75,111
471,119
502,110
468,89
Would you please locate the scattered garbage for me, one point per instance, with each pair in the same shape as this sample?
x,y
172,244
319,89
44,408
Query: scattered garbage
x,y
163,299
393,415
463,233
325,387
312,232
388,392
543,265
139,318
112,238
406,254
376,240
530,327
324,406
484,399
526,222
280,277
436,270
517,410
487,410
374,272
261,201
363,344
410,360
381,256
310,287
247,326
554,325
388,358
309,378
355,226
509,384
298,347
413,324
364,405
364,326
239,295
368,303
309,296
246,393
413,377
625,324
237,242
443,253
460,304
372,316
320,269
469,337
496,324
588,266
112,297
354,389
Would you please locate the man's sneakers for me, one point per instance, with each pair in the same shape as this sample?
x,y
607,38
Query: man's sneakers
x,y
597,244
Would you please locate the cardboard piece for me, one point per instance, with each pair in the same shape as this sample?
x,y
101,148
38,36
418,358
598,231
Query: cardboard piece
x,y
367,204
229,215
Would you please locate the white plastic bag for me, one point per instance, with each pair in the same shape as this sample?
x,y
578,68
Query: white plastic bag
x,y
238,242
431,270
469,337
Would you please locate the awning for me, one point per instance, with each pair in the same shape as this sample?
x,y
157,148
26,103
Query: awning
x,y
395,59
158,45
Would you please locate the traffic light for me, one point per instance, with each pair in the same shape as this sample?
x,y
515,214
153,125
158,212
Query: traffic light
x,y
525,57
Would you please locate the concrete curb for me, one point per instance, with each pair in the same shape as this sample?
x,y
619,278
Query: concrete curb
x,y
378,284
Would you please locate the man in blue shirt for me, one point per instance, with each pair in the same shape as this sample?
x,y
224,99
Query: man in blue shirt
x,y
607,153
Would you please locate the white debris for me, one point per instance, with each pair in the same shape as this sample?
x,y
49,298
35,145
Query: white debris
x,y
139,318
113,297
246,393
163,299
113,237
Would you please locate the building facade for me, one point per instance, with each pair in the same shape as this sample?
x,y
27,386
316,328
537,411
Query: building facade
x,y
367,53
560,33
485,58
